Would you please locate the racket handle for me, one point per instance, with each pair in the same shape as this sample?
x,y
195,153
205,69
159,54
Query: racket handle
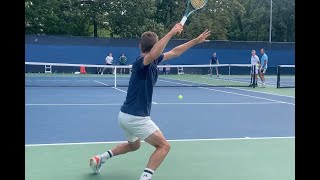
x,y
183,20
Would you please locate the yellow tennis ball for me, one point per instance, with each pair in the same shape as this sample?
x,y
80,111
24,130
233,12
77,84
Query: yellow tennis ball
x,y
180,97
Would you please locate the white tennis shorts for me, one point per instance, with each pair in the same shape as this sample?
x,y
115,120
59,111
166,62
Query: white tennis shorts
x,y
136,127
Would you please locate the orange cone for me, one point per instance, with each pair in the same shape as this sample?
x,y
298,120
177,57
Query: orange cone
x,y
83,70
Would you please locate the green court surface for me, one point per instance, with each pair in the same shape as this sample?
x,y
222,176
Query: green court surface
x,y
233,159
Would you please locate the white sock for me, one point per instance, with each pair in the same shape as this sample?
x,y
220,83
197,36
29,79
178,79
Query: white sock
x,y
106,155
147,174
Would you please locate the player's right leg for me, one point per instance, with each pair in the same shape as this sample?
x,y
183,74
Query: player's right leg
x,y
97,161
133,144
261,76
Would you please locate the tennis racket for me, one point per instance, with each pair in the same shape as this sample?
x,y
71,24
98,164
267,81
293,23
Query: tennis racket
x,y
192,5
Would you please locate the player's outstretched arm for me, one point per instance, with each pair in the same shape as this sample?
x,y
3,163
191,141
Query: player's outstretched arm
x,y
177,51
161,44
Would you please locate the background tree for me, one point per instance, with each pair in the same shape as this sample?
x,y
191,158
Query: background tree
x,y
242,20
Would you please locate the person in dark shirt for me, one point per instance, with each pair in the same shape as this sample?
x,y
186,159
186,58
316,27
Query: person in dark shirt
x,y
214,60
122,61
134,116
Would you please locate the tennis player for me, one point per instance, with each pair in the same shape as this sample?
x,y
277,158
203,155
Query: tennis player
x,y
264,60
108,61
254,62
214,60
134,116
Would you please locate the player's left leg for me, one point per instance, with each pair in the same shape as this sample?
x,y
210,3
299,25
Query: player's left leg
x,y
145,129
162,146
256,77
261,75
217,71
263,72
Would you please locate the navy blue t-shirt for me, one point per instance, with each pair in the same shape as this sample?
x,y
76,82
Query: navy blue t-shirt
x,y
214,60
139,96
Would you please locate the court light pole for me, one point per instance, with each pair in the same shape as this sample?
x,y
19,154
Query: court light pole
x,y
93,17
270,26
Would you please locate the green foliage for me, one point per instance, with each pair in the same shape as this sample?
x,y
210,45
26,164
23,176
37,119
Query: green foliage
x,y
56,17
246,20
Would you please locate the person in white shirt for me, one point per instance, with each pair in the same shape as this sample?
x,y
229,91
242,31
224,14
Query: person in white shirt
x,y
254,62
108,61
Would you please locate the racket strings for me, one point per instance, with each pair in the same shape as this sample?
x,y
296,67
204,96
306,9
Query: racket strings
x,y
197,4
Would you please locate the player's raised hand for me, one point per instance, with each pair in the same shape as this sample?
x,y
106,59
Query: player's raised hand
x,y
203,36
177,29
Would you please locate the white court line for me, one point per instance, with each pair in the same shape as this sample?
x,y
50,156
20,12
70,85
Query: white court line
x,y
111,104
237,88
120,90
221,103
117,89
231,92
101,83
174,103
173,140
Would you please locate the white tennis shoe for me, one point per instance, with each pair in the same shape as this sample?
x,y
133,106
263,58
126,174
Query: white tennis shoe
x,y
96,163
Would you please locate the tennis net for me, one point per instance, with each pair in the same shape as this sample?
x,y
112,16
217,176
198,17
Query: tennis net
x,y
85,75
286,76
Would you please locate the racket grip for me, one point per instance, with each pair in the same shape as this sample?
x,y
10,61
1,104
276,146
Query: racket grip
x,y
183,20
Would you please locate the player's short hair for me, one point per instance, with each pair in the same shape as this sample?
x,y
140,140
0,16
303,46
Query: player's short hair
x,y
262,49
147,41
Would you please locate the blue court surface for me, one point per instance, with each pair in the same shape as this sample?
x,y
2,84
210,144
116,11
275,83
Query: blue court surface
x,y
89,114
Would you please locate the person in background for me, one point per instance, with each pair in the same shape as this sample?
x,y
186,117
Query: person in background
x,y
165,70
123,61
108,61
263,69
254,62
214,60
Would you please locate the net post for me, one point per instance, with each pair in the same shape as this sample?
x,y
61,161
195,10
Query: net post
x,y
115,76
278,76
254,77
229,75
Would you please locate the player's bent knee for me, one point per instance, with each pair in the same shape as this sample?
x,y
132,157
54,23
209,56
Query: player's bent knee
x,y
167,147
134,146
